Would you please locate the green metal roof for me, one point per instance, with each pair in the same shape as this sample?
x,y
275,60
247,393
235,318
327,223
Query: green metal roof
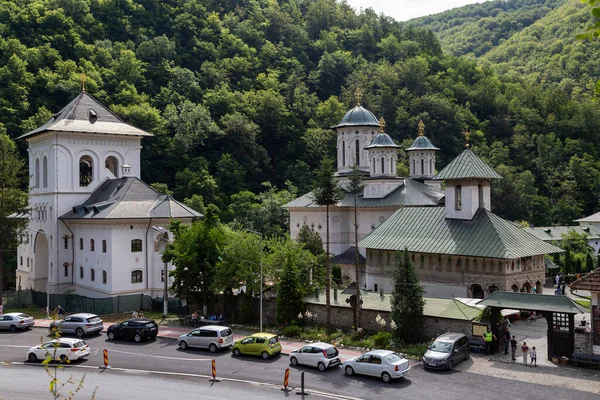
x,y
434,307
467,165
551,233
533,302
358,116
426,230
422,143
382,140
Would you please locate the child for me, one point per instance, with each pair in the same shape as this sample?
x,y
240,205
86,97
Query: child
x,y
524,350
533,357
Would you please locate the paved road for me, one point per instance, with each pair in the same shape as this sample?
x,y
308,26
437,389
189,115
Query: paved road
x,y
163,356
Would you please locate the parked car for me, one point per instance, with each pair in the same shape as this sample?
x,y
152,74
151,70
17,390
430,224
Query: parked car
x,y
78,324
210,337
16,321
259,344
320,355
62,349
136,328
446,351
381,363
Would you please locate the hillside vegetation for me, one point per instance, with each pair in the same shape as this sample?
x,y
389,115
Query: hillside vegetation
x,y
239,93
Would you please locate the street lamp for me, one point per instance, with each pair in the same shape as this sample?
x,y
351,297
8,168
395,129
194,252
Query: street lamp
x,y
261,275
48,262
164,238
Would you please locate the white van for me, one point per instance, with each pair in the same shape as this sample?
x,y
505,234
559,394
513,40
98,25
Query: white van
x,y
212,337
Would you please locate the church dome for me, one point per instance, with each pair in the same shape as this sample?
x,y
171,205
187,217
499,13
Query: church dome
x,y
382,140
358,116
422,143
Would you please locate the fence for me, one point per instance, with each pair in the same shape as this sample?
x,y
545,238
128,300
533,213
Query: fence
x,y
18,299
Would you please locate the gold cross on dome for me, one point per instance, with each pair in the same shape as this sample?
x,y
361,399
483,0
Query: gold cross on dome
x,y
421,128
358,95
381,125
82,80
467,133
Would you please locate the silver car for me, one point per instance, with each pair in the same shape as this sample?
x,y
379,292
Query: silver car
x,y
210,337
78,324
384,364
15,321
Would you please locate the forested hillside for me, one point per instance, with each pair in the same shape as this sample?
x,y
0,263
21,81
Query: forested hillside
x,y
477,28
238,93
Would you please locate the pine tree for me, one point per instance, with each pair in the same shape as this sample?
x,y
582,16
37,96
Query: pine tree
x,y
407,300
310,239
289,295
355,186
12,198
326,193
589,263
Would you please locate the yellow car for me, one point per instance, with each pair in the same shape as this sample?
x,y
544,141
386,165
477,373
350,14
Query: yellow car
x,y
259,344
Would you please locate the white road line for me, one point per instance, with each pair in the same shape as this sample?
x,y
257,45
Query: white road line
x,y
16,346
153,356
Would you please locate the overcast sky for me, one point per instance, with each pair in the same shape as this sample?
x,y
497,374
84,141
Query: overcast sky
x,y
402,10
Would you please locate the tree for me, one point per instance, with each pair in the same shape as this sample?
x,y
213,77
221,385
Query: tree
x,y
289,294
576,242
326,193
310,239
589,263
13,200
355,186
407,300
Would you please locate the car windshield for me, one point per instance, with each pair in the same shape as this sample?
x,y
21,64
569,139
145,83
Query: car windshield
x,y
393,358
150,324
331,352
23,316
225,332
94,319
79,344
273,340
442,347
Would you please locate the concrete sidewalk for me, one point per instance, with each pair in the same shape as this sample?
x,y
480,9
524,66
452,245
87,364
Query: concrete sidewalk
x,y
173,332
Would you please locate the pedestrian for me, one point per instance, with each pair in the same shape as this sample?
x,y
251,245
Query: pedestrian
x,y
513,348
531,314
60,311
507,321
141,314
562,288
195,319
506,340
557,280
488,336
532,353
557,291
135,314
525,351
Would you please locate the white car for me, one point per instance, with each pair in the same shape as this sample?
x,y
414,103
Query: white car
x,y
384,364
15,321
320,355
62,349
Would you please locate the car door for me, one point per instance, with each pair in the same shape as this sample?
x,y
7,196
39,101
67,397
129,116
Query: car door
x,y
203,338
374,366
259,345
5,321
193,339
121,329
303,355
361,365
67,325
246,345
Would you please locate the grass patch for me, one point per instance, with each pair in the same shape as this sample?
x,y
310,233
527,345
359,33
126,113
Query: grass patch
x,y
35,312
585,303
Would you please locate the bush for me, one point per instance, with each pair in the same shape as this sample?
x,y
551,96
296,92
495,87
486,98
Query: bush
x,y
292,331
381,340
336,274
415,350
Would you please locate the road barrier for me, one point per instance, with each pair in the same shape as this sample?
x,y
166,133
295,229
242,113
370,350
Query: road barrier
x,y
214,372
286,380
302,391
105,366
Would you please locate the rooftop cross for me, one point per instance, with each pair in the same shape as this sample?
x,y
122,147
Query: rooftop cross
x,y
421,128
467,133
82,80
358,95
381,125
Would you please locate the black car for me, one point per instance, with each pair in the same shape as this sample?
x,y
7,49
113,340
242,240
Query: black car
x,y
136,328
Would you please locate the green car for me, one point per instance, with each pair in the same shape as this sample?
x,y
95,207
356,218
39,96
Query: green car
x,y
259,344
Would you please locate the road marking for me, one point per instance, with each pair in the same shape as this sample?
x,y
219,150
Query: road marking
x,y
244,381
153,356
16,346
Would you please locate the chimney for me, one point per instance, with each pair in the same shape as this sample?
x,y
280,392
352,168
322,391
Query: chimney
x,y
126,170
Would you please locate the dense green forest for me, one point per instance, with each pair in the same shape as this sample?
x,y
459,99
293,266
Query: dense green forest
x,y
241,93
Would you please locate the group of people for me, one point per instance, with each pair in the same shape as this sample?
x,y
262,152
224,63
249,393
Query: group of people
x,y
488,336
137,314
560,285
196,318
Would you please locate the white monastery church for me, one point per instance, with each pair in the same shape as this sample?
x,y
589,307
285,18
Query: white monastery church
x,y
91,218
459,247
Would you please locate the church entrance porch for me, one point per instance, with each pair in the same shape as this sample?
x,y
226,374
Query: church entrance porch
x,y
40,264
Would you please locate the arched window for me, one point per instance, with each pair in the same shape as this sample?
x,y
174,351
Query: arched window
x,y
480,192
80,243
422,167
430,166
92,245
36,173
392,165
112,165
45,172
136,276
136,245
66,242
458,198
80,272
357,159
66,268
343,154
86,171
93,274
382,165
104,246
414,167
104,278
373,166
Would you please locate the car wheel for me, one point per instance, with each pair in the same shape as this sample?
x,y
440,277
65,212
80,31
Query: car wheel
x,y
349,370
321,367
450,365
386,377
183,345
32,357
63,358
213,348
13,328
264,355
137,338
294,361
236,352
111,335
79,332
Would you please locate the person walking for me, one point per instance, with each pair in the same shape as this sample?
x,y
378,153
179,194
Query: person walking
x,y
557,280
562,288
488,337
506,340
60,311
533,355
525,351
513,348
